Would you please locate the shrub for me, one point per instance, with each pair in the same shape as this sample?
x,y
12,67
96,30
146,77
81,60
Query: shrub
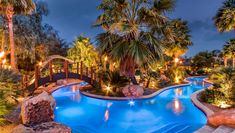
x,y
176,73
9,91
224,78
213,96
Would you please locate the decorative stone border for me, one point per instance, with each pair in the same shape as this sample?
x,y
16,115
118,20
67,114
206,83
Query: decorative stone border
x,y
128,98
142,97
198,104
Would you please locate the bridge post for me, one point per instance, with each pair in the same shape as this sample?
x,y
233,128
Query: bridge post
x,y
51,71
81,71
94,74
36,76
87,71
91,75
66,69
78,68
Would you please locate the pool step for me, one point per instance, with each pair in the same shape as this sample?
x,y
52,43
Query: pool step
x,y
205,129
223,129
172,128
220,129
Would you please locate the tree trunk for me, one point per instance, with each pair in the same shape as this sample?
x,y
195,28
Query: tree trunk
x,y
133,80
233,61
9,15
225,62
148,82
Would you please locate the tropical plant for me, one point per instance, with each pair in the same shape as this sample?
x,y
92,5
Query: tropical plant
x,y
35,40
224,78
224,19
229,50
182,39
176,74
9,91
202,61
114,79
9,8
134,30
83,51
212,96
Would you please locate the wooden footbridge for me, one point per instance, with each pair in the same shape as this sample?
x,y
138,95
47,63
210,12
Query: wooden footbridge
x,y
48,71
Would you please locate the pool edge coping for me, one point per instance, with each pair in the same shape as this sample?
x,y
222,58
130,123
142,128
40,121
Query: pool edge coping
x,y
194,98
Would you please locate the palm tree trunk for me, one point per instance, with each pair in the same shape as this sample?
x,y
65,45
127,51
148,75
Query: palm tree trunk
x,y
9,15
133,80
225,62
148,82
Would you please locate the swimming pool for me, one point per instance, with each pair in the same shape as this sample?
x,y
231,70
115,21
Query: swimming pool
x,y
169,112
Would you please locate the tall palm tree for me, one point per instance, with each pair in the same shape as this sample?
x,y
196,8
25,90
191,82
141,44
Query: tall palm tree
x,y
133,32
224,19
182,39
229,50
9,8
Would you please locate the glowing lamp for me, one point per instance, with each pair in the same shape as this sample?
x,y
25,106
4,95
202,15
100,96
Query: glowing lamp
x,y
176,60
4,61
2,54
177,79
40,63
131,103
108,88
105,58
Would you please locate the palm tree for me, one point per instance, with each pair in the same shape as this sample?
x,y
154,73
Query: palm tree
x,y
224,19
182,39
229,50
133,32
9,8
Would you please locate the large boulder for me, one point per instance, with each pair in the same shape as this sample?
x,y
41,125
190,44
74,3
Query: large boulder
x,y
133,91
39,109
225,117
48,127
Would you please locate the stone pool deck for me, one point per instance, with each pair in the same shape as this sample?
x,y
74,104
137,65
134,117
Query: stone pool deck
x,y
209,111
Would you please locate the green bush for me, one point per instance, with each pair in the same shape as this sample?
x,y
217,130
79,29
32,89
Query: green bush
x,y
224,78
212,96
9,91
176,73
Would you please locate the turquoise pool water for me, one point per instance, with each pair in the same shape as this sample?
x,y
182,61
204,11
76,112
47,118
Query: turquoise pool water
x,y
169,112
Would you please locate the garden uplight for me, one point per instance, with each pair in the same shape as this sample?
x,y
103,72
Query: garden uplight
x,y
40,63
177,79
176,60
4,61
105,58
2,54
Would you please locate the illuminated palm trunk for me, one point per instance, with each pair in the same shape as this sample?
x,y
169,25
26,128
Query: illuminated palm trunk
x,y
9,15
127,67
225,62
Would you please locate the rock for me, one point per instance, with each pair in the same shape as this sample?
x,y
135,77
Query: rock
x,y
225,117
61,82
39,109
22,129
133,91
48,127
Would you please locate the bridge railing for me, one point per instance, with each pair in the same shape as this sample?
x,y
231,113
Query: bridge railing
x,y
77,71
